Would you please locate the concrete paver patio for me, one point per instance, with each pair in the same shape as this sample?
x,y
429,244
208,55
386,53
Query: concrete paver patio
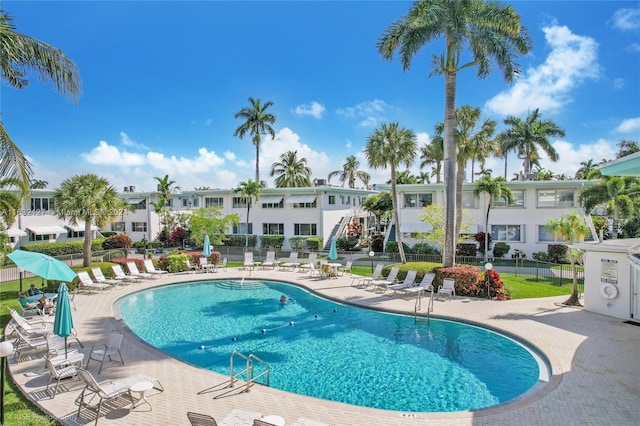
x,y
595,362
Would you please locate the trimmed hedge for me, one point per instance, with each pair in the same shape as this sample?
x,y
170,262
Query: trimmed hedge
x,y
271,241
62,248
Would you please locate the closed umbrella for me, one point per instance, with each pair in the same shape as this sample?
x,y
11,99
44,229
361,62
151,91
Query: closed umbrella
x,y
333,251
63,322
206,250
42,265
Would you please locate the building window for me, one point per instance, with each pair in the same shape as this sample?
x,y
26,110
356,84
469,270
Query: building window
x,y
241,229
139,226
75,234
273,228
240,202
558,198
196,202
332,199
45,237
518,199
507,233
547,236
142,205
41,204
117,227
305,229
417,200
279,205
469,200
214,202
305,205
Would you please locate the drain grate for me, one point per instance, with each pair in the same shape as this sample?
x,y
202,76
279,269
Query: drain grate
x,y
632,323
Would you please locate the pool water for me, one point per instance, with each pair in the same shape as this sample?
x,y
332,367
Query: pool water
x,y
328,350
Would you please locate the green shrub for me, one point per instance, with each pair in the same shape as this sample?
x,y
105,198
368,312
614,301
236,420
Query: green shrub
x,y
465,276
346,243
116,241
392,247
424,248
377,243
314,243
271,241
466,249
421,267
558,253
62,248
237,240
542,256
500,249
298,243
176,262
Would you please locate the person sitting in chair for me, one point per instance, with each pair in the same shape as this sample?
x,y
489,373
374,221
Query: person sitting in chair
x,y
33,290
26,304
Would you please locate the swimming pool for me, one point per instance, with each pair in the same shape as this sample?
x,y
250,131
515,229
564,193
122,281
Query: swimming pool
x,y
327,350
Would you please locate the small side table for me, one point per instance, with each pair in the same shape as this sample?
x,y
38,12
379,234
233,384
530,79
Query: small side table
x,y
140,388
274,420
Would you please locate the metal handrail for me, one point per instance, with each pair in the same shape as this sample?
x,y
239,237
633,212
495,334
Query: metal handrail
x,y
266,372
248,370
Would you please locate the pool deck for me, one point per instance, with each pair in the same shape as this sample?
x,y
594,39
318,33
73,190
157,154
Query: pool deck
x,y
595,362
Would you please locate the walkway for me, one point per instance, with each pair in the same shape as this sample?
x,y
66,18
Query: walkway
x,y
595,361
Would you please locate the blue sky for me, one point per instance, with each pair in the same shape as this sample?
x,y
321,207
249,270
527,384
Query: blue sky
x,y
162,81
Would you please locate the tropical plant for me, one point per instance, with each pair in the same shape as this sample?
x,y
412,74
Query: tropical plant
x,y
494,188
38,184
291,171
433,153
389,146
489,31
379,205
250,191
405,178
257,122
627,147
20,54
164,193
586,167
434,216
10,203
87,198
210,221
526,136
350,173
570,227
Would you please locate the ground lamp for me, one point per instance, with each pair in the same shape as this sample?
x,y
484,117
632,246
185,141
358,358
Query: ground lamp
x,y
6,349
487,269
371,254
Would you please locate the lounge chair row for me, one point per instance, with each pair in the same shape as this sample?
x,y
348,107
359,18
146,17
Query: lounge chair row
x,y
407,287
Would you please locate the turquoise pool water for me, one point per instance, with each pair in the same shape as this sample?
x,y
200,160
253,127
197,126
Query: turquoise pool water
x,y
327,350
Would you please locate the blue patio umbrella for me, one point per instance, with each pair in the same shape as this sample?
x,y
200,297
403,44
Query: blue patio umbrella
x,y
42,265
206,250
333,251
63,322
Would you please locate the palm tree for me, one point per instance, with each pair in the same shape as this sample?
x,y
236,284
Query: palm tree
x,y
10,203
494,188
489,31
627,147
526,136
388,147
257,122
350,173
250,190
87,198
571,228
585,169
164,192
433,153
378,205
20,53
405,178
291,171
38,184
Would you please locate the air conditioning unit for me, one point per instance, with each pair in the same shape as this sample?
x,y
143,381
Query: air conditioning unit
x,y
126,189
321,182
532,176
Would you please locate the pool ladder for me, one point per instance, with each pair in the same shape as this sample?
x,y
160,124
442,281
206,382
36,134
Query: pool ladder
x,y
418,305
249,370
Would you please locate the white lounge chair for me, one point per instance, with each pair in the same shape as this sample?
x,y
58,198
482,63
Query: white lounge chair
x,y
191,266
426,284
89,284
314,271
409,281
222,264
362,282
151,269
118,274
103,351
25,341
311,261
135,272
33,327
59,372
205,266
270,260
101,279
448,288
248,261
292,262
380,286
346,268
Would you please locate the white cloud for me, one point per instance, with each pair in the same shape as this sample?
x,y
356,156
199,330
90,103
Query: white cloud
x,y
629,125
370,113
313,108
125,140
633,47
626,19
572,60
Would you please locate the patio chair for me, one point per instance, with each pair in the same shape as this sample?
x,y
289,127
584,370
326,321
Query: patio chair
x,y
426,284
409,281
101,279
34,327
381,285
104,391
192,266
248,261
24,341
59,372
292,262
135,272
346,268
270,260
362,282
205,266
118,274
313,270
151,269
313,259
197,419
448,289
223,264
103,351
87,282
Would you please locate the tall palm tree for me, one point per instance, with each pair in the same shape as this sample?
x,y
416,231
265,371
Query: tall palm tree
x,y
585,169
390,146
526,136
10,203
405,178
490,31
164,192
38,184
433,153
570,227
291,171
257,122
87,198
494,188
627,147
19,54
350,173
250,190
